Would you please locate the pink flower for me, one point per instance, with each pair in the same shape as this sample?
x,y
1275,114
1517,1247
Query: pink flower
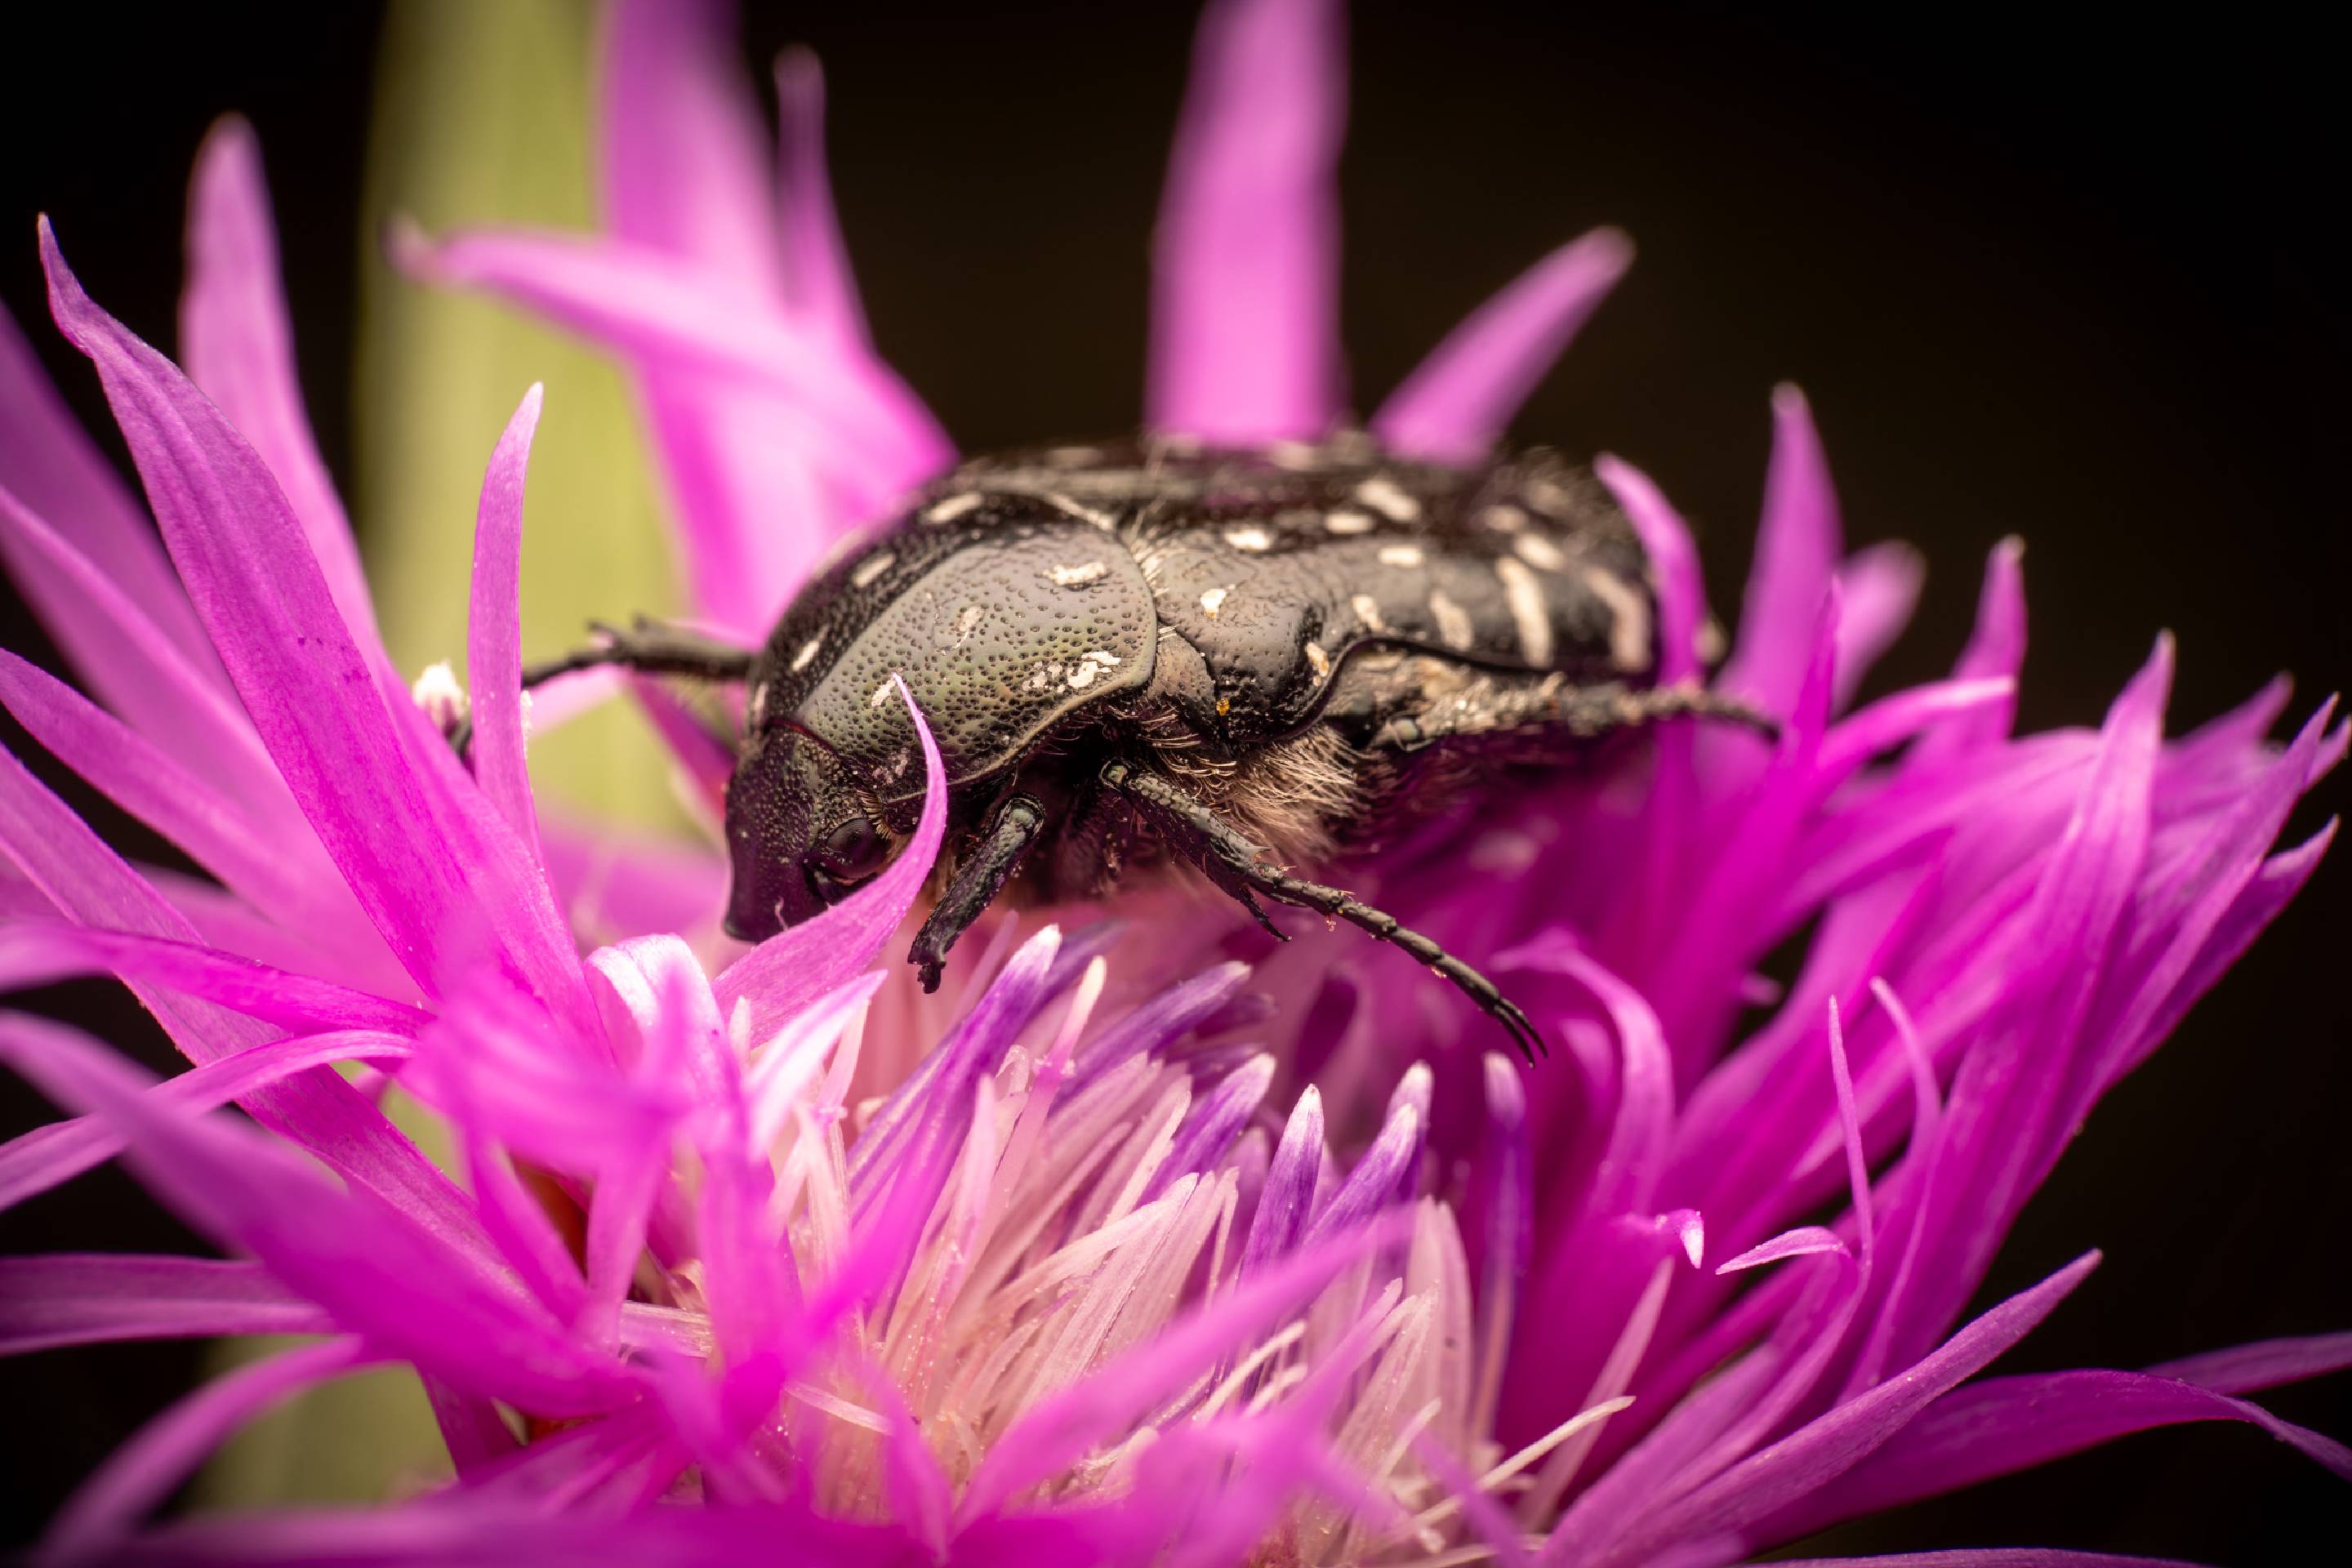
x,y
1135,1250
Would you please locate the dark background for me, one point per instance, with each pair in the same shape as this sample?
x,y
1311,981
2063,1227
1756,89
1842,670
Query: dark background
x,y
2050,279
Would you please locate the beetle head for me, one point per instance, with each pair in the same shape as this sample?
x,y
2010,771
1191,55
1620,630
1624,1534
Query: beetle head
x,y
802,832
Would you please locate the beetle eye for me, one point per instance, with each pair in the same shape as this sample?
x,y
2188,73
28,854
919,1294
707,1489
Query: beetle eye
x,y
853,851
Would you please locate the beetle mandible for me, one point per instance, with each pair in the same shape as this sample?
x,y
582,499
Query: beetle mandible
x,y
1241,659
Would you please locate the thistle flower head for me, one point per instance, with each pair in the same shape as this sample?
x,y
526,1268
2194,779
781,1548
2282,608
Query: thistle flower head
x,y
1139,1243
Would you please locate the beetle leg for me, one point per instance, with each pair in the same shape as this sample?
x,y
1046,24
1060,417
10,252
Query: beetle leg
x,y
648,648
1585,712
976,883
1216,846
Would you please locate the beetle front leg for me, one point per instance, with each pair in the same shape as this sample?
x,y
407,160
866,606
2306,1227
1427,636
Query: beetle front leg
x,y
648,648
1214,844
976,883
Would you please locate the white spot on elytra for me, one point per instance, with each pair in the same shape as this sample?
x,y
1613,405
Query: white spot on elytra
x,y
1251,539
1525,596
1400,554
1383,496
1103,657
1504,518
1629,627
1042,676
954,507
1072,456
1077,576
1292,455
1538,552
808,652
757,709
1453,628
1368,610
882,695
1317,659
1212,601
1350,523
872,567
967,620
1083,673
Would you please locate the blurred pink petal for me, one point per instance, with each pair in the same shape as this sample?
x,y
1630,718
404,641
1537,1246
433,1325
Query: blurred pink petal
x,y
1246,270
1457,404
52,469
238,346
817,282
150,1466
76,1298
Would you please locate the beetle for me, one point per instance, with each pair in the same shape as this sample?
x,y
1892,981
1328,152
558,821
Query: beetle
x,y
1156,650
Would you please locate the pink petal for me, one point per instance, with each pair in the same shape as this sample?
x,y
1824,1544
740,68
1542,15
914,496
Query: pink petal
x,y
471,1427
519,1224
2266,1364
1161,1021
1797,547
1215,1121
1064,1428
1682,598
49,1156
1245,271
424,859
181,703
1995,649
924,1121
817,280
1371,1185
614,884
1991,1557
1804,1241
1833,1442
875,435
319,1111
1892,720
1880,586
280,872
794,968
54,469
144,1471
2009,1423
680,147
494,628
2005,1121
238,346
79,1298
415,1290
36,952
1287,1198
685,173
1459,401
704,758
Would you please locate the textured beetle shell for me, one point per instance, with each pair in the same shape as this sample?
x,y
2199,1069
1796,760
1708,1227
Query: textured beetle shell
x,y
1022,596
1002,625
1276,566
